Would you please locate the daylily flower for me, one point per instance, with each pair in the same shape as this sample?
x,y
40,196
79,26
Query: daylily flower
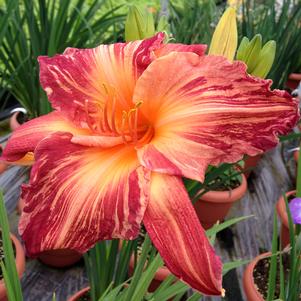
x,y
295,209
129,121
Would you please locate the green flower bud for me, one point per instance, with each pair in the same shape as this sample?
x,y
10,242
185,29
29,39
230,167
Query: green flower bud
x,y
138,25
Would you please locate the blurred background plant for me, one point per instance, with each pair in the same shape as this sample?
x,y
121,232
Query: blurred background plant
x,y
45,27
279,21
48,27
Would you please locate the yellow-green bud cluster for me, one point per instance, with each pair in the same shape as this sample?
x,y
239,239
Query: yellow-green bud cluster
x,y
140,25
258,59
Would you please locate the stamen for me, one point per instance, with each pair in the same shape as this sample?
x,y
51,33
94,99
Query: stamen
x,y
113,117
105,116
124,118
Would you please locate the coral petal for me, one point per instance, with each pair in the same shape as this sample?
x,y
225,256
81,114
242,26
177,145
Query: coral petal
x,y
82,80
175,230
78,195
25,138
206,110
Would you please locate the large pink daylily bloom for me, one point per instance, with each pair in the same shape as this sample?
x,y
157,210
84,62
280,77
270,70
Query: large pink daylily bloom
x,y
129,121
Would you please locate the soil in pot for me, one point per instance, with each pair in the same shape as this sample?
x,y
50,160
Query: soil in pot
x,y
215,204
261,275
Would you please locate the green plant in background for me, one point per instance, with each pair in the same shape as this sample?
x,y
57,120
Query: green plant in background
x,y
278,21
47,27
107,270
193,22
258,58
8,265
221,177
289,280
141,25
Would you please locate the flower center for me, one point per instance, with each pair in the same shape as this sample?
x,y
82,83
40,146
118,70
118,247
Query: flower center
x,y
110,120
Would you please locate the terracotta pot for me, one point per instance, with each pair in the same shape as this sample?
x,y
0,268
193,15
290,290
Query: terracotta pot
x,y
79,294
250,287
59,258
20,206
3,165
293,80
20,263
281,210
213,206
296,156
250,163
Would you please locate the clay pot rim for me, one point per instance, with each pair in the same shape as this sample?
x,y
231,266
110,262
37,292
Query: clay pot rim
x,y
281,208
228,196
248,280
19,259
79,294
295,76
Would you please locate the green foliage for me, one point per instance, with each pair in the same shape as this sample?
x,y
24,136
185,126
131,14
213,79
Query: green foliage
x,y
101,264
259,59
8,266
47,27
278,21
216,178
193,22
140,24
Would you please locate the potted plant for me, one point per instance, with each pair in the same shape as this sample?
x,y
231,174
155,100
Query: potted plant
x,y
281,207
12,260
276,275
282,214
108,274
222,187
144,264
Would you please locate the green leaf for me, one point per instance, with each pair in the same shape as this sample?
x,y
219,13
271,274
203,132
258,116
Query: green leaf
x,y
228,266
219,227
12,278
273,262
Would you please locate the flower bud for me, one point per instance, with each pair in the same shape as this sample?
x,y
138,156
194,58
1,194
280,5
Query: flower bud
x,y
224,40
138,25
265,60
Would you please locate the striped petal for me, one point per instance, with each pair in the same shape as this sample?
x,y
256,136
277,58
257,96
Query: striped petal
x,y
26,137
206,110
84,81
79,195
175,230
199,49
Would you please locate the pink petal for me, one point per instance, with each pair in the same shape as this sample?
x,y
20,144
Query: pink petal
x,y
175,230
82,81
206,110
26,137
79,195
